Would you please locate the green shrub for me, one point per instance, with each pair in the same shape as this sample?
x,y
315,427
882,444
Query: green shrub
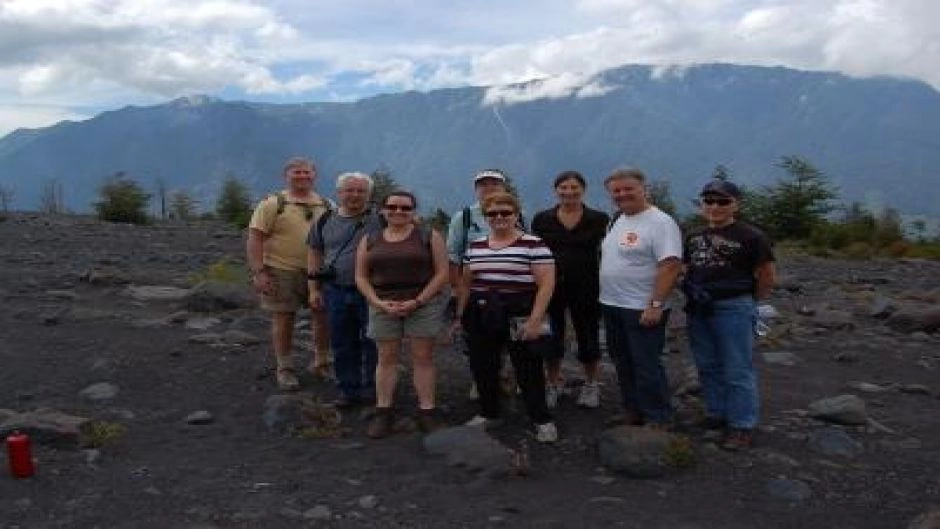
x,y
222,271
859,250
101,433
680,453
122,200
234,204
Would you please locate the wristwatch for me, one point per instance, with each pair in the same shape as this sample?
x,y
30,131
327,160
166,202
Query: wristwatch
x,y
656,304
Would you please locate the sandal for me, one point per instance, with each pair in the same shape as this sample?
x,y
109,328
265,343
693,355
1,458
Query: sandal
x,y
287,380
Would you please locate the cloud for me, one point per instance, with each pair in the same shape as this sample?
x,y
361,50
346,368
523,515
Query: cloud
x,y
34,116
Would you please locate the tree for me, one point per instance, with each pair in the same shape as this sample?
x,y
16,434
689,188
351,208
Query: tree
x,y
182,206
234,204
6,198
161,196
661,196
721,172
382,184
51,197
439,220
794,206
122,200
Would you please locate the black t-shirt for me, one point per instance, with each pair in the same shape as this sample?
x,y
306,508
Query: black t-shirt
x,y
727,255
576,251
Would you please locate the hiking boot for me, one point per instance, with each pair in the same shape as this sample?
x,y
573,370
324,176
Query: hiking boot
x,y
427,420
286,379
546,433
738,440
380,425
590,395
551,396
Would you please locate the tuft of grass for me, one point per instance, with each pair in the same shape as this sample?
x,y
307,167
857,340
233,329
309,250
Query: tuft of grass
x,y
680,453
101,433
222,271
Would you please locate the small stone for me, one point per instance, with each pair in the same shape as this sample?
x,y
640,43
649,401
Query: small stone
x,y
916,389
235,336
834,442
789,490
606,499
603,480
100,391
201,324
23,504
92,456
206,338
846,357
320,512
368,502
867,387
781,358
842,409
199,418
153,491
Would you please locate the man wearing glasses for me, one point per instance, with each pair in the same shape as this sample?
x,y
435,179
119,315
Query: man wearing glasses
x,y
277,259
729,265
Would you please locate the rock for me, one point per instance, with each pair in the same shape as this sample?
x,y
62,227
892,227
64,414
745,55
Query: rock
x,y
237,337
54,316
156,293
911,320
92,455
834,442
213,296
916,389
368,502
201,324
867,387
781,358
207,338
788,283
834,320
100,391
843,409
846,357
105,277
635,452
64,295
282,413
199,418
881,308
471,448
319,512
927,520
45,426
789,490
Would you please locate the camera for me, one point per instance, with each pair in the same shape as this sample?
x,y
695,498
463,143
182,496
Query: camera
x,y
324,274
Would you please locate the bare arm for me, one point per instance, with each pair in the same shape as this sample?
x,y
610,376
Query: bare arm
x,y
463,293
362,274
260,279
314,262
667,273
544,275
441,269
766,275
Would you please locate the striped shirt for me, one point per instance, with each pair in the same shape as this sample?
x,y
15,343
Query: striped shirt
x,y
507,269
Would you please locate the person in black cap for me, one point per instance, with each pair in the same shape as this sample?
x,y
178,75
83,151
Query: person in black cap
x,y
729,264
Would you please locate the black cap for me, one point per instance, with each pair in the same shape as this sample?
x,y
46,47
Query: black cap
x,y
721,187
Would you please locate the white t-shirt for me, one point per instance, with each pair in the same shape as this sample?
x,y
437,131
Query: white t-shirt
x,y
630,253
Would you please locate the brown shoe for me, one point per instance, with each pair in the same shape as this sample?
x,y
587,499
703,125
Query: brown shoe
x,y
381,423
286,379
427,420
738,440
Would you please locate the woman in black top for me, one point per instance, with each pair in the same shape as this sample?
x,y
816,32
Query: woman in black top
x,y
573,232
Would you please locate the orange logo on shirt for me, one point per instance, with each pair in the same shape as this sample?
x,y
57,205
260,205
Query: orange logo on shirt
x,y
630,238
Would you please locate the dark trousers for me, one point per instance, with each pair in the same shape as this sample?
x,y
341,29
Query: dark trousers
x,y
486,361
636,352
354,354
585,316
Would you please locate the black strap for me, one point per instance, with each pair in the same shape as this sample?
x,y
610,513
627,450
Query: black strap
x,y
359,224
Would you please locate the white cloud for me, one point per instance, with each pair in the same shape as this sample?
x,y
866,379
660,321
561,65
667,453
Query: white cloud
x,y
33,116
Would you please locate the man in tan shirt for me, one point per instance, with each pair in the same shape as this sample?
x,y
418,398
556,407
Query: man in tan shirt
x,y
277,257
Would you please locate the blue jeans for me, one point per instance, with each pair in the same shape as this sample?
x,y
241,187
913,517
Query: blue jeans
x,y
636,352
354,355
722,343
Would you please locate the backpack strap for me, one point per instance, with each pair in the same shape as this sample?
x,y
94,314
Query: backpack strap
x,y
321,222
466,221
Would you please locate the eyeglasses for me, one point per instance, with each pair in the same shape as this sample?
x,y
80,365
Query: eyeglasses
x,y
500,213
396,207
718,201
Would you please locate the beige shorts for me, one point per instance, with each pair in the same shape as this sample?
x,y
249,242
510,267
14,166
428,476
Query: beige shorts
x,y
290,291
425,322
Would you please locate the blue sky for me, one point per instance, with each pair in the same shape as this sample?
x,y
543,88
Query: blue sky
x,y
68,59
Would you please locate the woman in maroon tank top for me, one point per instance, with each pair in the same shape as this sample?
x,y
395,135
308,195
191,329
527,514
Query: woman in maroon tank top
x,y
401,272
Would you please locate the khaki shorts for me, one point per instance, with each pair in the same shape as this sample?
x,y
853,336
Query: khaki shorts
x,y
290,291
425,322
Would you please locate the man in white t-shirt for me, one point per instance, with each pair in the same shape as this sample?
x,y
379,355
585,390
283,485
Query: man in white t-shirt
x,y
640,262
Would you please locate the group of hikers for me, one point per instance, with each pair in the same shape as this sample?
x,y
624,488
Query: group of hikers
x,y
375,276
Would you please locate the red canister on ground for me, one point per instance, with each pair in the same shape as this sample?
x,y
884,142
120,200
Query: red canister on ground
x,y
21,457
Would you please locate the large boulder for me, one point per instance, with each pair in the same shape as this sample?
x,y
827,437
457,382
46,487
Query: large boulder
x,y
470,448
638,452
45,426
911,320
214,296
843,409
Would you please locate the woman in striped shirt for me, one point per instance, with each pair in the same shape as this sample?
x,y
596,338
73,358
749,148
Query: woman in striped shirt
x,y
507,282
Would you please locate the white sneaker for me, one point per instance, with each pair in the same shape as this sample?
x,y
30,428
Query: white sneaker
x,y
551,396
478,421
546,433
590,396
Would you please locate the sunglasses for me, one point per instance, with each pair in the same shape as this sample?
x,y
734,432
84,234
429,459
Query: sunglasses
x,y
718,201
396,207
500,213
